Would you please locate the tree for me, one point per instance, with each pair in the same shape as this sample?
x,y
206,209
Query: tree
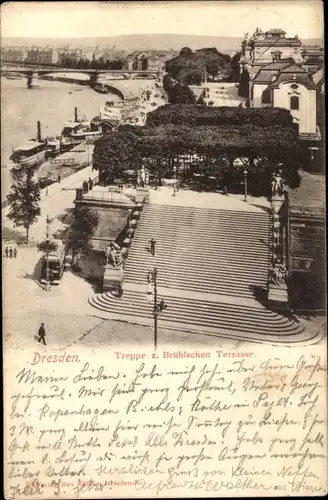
x,y
24,198
116,152
186,52
201,101
235,67
213,69
188,66
194,77
83,227
180,94
167,82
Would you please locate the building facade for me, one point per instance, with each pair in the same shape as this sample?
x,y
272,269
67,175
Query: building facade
x,y
288,86
273,45
312,57
14,54
143,61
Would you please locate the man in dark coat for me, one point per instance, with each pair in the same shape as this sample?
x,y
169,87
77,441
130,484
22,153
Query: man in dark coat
x,y
42,334
152,246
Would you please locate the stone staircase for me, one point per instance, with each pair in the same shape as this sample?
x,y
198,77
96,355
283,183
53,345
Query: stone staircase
x,y
211,265
214,318
202,250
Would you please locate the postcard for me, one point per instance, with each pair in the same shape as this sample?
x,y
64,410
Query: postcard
x,y
163,249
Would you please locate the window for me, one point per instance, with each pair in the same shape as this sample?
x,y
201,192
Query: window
x,y
294,102
266,96
302,264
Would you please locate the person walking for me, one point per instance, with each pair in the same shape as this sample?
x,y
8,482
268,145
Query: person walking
x,y
6,252
10,252
152,246
59,178
15,253
90,183
42,334
85,187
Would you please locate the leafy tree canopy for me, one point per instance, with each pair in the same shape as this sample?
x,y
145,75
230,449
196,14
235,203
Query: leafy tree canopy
x,y
115,152
188,66
194,115
24,198
83,227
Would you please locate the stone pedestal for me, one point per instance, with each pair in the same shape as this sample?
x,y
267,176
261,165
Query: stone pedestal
x,y
276,202
142,195
278,296
79,193
32,80
113,278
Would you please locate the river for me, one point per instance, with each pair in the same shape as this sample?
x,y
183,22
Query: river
x,y
53,104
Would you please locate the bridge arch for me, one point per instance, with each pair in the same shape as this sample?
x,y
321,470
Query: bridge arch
x,y
143,75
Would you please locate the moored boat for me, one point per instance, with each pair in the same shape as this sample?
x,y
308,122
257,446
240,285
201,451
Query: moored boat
x,y
101,88
29,154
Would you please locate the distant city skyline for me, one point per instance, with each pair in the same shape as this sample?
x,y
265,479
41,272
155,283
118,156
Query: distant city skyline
x,y
105,19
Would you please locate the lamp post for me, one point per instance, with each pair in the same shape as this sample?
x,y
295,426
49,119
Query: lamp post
x,y
48,251
174,179
157,307
245,184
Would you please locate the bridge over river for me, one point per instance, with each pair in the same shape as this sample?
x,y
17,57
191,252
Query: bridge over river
x,y
32,73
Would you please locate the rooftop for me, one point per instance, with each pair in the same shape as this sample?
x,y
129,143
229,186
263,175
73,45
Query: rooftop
x,y
276,31
311,192
29,145
295,73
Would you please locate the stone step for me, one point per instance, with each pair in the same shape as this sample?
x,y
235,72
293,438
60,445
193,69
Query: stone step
x,y
231,317
151,207
212,252
188,260
182,316
242,290
190,274
213,222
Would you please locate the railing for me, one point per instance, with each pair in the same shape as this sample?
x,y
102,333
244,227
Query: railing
x,y
108,196
63,161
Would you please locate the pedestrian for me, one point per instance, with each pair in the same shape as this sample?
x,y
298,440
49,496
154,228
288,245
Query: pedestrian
x,y
6,252
42,334
152,246
85,187
10,252
15,253
90,183
59,178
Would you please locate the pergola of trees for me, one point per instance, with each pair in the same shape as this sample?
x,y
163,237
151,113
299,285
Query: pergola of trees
x,y
193,115
208,149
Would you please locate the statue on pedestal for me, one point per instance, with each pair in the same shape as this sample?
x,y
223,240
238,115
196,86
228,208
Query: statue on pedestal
x,y
142,177
277,185
114,255
277,273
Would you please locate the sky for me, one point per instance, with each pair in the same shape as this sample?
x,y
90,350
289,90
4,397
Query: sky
x,y
217,18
